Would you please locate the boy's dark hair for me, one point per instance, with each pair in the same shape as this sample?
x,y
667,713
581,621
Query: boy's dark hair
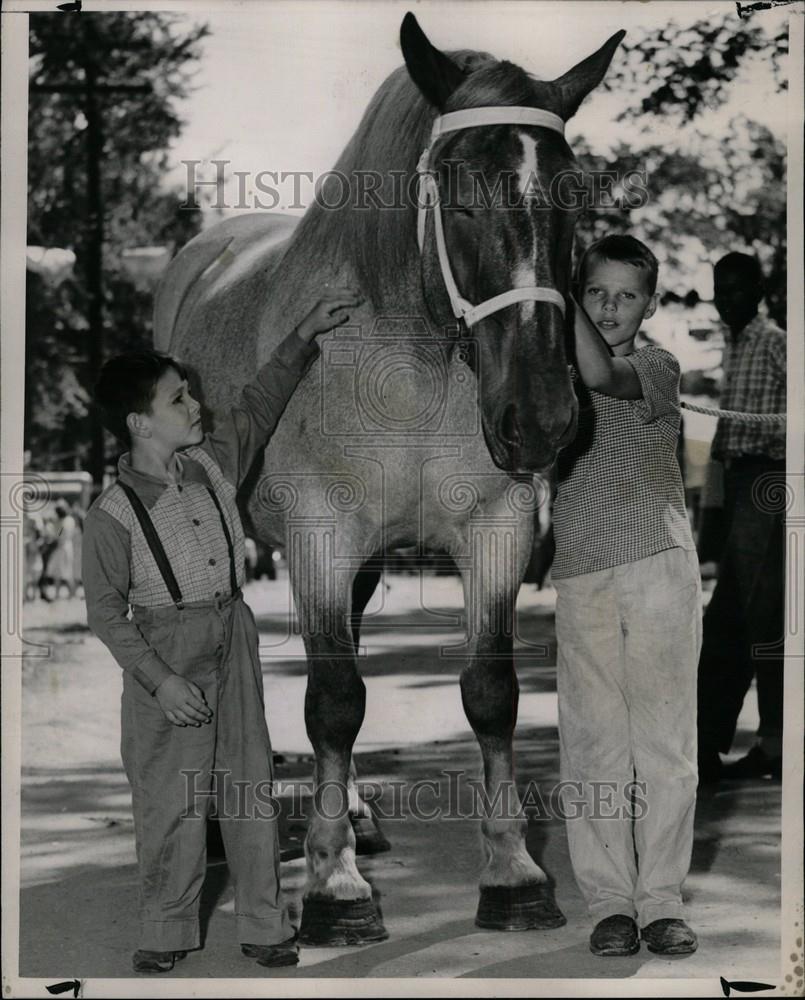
x,y
127,384
625,250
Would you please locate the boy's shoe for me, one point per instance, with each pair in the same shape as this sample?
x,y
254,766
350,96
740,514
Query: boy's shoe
x,y
669,937
273,956
156,961
756,764
616,935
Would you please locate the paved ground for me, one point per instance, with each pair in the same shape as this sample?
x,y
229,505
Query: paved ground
x,y
78,900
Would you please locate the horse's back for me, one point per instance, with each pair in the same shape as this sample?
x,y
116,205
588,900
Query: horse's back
x,y
223,255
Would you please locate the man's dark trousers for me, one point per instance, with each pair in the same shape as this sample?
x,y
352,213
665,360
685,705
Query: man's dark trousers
x,y
746,610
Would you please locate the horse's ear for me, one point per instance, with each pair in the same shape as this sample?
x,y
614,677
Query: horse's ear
x,y
436,75
577,83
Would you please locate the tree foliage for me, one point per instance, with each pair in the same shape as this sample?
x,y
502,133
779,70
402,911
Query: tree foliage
x,y
713,191
154,53
682,69
713,196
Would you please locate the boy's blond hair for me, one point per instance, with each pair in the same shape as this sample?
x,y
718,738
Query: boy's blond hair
x,y
625,250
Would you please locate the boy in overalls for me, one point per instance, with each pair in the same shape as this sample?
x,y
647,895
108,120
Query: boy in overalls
x,y
166,541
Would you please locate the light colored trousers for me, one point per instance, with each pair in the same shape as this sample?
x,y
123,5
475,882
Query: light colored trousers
x,y
629,640
171,771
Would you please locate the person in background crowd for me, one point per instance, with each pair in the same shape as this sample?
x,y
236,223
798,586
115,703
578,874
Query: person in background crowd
x,y
743,624
78,514
33,557
61,566
48,542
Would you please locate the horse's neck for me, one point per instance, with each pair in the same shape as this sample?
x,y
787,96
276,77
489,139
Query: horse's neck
x,y
300,277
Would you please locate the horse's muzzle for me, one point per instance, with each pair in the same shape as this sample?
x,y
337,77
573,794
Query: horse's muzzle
x,y
523,448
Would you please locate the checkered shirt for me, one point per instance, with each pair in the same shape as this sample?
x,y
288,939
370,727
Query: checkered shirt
x,y
754,382
619,494
119,571
189,527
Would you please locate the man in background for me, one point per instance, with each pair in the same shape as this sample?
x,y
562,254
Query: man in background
x,y
743,624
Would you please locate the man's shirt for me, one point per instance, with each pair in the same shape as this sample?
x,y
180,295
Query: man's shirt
x,y
754,382
619,494
119,570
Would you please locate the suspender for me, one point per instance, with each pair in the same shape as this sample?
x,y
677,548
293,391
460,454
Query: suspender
x,y
233,582
154,544
158,551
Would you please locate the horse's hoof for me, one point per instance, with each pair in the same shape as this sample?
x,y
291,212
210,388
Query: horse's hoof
x,y
518,908
368,838
334,923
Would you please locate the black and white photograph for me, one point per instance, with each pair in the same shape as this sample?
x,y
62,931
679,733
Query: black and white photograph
x,y
403,498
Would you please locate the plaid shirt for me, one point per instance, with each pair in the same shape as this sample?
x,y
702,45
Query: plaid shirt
x,y
619,493
754,382
119,570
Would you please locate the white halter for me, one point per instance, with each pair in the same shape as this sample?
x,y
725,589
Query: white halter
x,y
429,198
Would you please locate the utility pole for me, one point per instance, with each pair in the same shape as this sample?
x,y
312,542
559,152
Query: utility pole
x,y
88,92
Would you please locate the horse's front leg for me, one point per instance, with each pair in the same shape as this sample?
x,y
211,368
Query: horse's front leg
x,y
337,908
514,891
369,838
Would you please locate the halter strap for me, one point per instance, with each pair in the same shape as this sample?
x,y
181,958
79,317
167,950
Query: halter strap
x,y
472,314
470,117
429,198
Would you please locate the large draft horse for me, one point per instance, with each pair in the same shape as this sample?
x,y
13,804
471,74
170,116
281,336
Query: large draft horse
x,y
423,420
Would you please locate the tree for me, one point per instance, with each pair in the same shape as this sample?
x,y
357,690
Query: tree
x,y
683,69
710,193
103,104
705,199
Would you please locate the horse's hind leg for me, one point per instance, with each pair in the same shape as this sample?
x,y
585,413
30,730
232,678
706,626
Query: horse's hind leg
x,y
369,838
338,908
515,893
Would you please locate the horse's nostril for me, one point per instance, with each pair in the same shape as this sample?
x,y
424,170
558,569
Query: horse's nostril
x,y
509,428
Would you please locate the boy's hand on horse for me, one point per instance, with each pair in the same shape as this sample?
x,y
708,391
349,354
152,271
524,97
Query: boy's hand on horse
x,y
331,310
182,702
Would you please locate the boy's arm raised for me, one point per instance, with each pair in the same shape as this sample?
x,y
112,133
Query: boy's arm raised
x,y
237,439
598,367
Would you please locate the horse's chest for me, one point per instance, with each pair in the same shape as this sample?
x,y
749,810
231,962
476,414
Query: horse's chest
x,y
385,448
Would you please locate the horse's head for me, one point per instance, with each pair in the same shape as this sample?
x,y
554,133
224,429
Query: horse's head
x,y
504,216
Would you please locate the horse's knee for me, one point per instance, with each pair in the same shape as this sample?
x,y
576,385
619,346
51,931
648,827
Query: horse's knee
x,y
335,704
490,692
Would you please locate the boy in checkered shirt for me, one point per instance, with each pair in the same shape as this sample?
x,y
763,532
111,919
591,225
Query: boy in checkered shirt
x,y
628,615
163,567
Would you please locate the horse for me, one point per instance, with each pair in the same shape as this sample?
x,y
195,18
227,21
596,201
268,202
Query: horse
x,y
423,421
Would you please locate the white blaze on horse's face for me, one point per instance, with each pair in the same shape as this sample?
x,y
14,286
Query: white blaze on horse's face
x,y
525,270
527,171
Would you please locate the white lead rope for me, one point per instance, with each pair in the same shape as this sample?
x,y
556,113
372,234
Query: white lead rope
x,y
736,415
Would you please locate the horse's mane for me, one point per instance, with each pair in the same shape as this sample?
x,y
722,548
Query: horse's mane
x,y
380,243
